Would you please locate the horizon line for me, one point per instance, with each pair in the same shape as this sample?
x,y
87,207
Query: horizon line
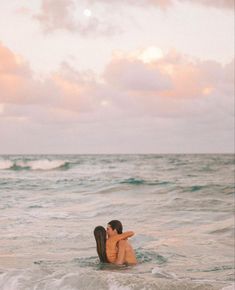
x,y
159,153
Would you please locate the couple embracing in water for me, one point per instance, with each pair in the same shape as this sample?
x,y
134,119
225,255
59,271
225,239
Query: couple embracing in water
x,y
112,245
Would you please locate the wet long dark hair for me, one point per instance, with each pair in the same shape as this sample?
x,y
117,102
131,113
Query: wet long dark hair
x,y
100,237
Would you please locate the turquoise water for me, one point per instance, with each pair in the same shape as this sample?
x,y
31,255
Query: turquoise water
x,y
180,207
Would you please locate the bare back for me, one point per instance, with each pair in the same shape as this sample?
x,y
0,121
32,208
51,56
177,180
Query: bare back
x,y
126,254
112,245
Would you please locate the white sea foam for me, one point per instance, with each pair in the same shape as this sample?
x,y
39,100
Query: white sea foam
x,y
6,164
41,164
45,164
230,287
11,280
158,272
116,286
48,219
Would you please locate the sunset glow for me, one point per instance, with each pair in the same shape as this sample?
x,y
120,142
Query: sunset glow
x,y
121,72
87,12
151,54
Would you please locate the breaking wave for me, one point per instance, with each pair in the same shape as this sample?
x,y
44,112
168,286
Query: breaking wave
x,y
41,164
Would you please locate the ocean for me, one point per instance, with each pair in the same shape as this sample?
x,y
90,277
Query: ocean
x,y
181,208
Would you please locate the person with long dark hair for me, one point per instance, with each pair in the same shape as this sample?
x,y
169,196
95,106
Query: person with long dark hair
x,y
100,237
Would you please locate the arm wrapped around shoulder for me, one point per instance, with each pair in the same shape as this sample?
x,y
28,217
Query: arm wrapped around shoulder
x,y
124,235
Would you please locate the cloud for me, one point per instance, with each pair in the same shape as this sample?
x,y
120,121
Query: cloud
x,y
67,15
199,94
60,97
58,15
171,100
172,76
220,4
76,88
15,77
163,4
173,86
135,76
18,84
156,3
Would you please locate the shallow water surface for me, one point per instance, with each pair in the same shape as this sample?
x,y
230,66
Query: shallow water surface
x,y
180,207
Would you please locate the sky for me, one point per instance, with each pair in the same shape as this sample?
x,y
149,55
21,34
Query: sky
x,y
106,77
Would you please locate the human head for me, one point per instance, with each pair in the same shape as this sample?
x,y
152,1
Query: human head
x,y
116,225
100,237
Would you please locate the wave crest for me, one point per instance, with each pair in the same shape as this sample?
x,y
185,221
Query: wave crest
x,y
46,164
42,164
6,164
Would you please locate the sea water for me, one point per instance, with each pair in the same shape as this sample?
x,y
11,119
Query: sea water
x,y
179,206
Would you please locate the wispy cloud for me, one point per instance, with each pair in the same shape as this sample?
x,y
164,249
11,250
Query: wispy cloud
x,y
163,4
220,4
58,15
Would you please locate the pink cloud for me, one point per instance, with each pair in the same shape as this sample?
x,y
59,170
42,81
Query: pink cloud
x,y
15,77
169,87
172,76
65,87
134,75
75,89
186,89
172,98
